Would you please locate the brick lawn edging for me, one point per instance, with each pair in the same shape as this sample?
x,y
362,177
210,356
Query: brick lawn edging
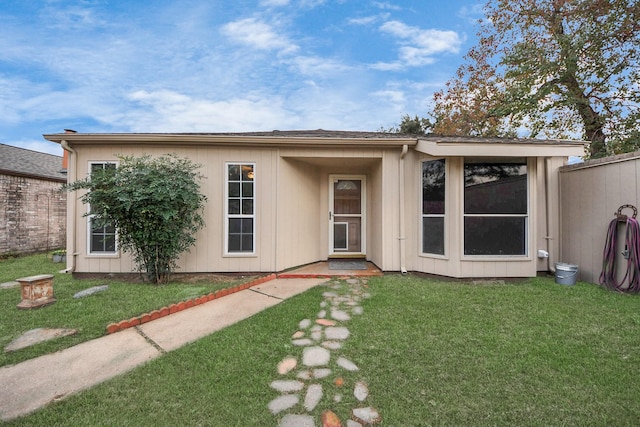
x,y
183,305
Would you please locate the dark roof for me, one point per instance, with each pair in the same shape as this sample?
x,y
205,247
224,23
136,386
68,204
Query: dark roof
x,y
22,162
323,134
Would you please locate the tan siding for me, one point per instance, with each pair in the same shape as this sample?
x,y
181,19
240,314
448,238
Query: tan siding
x,y
390,214
207,255
590,195
299,213
375,250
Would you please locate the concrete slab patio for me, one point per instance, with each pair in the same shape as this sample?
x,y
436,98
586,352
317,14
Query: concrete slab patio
x,y
33,384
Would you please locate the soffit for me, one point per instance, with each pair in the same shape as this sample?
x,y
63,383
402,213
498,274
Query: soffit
x,y
494,147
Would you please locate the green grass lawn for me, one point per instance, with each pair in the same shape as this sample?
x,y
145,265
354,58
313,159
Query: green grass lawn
x,y
432,353
89,315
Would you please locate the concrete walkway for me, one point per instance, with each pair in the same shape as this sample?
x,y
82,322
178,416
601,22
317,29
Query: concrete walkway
x,y
30,385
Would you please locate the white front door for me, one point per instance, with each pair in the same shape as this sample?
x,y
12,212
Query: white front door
x,y
347,215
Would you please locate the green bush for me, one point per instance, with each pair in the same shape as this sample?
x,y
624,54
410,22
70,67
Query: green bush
x,y
155,205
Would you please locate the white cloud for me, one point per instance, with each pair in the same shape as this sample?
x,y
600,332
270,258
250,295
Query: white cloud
x,y
365,20
472,13
391,96
318,66
386,5
274,3
258,35
418,46
168,111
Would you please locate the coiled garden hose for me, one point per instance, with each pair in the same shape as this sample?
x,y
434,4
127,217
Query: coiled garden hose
x,y
631,280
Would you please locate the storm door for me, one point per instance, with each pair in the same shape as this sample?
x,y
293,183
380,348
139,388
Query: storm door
x,y
346,215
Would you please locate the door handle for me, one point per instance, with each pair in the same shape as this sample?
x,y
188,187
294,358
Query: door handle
x,y
330,215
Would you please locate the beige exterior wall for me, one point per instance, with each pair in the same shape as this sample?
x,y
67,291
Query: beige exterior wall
x,y
454,263
590,194
292,206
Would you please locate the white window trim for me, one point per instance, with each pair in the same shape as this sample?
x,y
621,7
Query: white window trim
x,y
447,165
227,216
527,222
116,252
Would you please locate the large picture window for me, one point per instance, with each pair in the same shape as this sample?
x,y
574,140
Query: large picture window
x,y
102,237
240,208
433,206
495,207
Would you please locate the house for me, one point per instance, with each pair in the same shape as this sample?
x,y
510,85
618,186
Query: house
x,y
449,206
32,207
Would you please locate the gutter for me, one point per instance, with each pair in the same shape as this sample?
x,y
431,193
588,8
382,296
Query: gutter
x,y
402,238
71,219
550,263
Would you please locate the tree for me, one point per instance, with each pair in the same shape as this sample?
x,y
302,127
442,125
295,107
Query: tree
x,y
155,205
411,126
551,68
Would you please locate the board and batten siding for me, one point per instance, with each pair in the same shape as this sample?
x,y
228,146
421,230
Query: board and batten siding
x,y
208,253
591,193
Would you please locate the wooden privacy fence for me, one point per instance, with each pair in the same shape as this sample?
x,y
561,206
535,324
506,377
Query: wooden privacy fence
x,y
590,195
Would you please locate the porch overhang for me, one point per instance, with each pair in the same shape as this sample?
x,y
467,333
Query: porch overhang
x,y
498,147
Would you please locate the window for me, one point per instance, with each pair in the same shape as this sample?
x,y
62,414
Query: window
x,y
102,237
240,221
433,206
495,207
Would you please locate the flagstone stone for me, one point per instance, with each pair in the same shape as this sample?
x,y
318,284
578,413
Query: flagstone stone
x,y
340,315
287,386
91,291
304,324
336,333
304,375
283,403
330,419
360,391
315,356
294,420
287,365
346,364
321,373
332,345
339,305
366,415
9,285
313,397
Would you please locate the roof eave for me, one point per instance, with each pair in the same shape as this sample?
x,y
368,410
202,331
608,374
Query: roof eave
x,y
234,140
504,149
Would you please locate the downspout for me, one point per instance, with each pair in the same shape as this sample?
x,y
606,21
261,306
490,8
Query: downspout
x,y
548,237
402,237
71,222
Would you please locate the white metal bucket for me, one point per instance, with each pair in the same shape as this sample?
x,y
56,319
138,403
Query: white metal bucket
x,y
566,274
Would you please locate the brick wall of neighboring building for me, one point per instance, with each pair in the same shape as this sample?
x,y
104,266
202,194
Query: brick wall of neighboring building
x,y
32,215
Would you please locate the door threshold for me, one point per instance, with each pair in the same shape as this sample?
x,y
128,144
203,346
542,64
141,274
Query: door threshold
x,y
347,256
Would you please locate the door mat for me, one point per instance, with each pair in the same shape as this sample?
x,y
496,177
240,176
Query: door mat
x,y
347,265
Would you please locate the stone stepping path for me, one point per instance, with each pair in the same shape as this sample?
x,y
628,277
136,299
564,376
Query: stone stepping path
x,y
303,380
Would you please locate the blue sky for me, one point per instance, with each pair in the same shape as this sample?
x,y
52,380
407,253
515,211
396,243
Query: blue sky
x,y
223,66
